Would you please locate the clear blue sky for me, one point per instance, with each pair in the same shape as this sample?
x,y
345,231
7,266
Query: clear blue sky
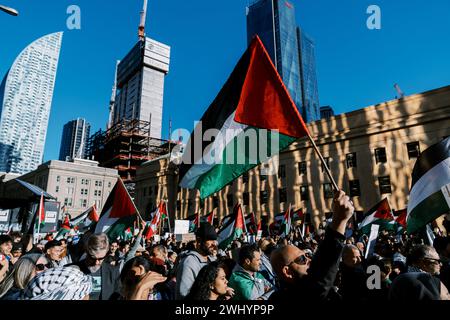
x,y
356,67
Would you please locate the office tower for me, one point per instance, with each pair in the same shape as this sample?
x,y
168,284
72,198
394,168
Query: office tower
x,y
326,112
26,95
74,140
292,52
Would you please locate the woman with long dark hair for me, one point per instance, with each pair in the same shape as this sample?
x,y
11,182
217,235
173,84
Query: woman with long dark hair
x,y
210,284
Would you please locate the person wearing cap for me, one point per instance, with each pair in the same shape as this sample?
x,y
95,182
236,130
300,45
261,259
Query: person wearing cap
x,y
16,252
191,264
63,283
53,251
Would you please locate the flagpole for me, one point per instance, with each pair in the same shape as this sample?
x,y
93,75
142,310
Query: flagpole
x,y
336,188
168,215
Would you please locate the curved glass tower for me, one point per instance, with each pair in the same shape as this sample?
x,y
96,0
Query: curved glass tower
x,y
26,95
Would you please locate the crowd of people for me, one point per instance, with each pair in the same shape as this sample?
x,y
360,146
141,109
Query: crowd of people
x,y
324,265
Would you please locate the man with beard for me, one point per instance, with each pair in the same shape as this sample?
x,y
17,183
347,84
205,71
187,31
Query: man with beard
x,y
353,276
304,279
105,277
195,260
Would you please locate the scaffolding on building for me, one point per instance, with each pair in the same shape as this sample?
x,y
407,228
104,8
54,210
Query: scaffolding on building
x,y
125,146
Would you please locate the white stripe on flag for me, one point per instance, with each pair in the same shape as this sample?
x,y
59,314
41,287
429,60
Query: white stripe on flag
x,y
210,159
429,183
105,222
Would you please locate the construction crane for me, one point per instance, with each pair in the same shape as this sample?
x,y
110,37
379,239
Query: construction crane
x,y
141,32
9,10
112,102
399,91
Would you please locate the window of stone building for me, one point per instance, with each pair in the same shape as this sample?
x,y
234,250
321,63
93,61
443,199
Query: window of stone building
x,y
327,161
57,189
245,177
263,197
109,184
190,202
413,149
230,200
282,194
178,205
385,185
145,192
58,179
302,168
156,190
215,202
355,190
304,193
83,203
380,155
351,160
246,198
328,191
282,171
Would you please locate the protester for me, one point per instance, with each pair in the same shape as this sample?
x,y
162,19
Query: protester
x,y
65,254
6,245
105,277
139,280
26,268
195,260
353,275
53,251
210,284
266,269
246,280
302,279
113,254
62,283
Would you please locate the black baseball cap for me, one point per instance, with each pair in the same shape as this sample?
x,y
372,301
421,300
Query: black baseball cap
x,y
52,243
206,232
4,238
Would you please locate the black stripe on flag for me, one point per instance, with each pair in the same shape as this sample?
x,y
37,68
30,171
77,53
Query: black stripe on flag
x,y
430,158
220,110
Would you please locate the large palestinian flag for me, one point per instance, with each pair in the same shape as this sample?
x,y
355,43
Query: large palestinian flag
x,y
232,229
118,214
253,117
380,214
430,191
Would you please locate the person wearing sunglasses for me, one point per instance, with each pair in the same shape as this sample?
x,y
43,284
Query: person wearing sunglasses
x,y
105,277
25,269
306,278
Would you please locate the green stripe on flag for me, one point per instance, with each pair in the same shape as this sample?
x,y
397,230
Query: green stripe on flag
x,y
230,169
426,211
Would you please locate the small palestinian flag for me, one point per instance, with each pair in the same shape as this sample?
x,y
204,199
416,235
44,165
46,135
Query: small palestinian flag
x,y
380,214
156,220
85,220
118,214
401,216
233,229
254,118
287,223
41,212
194,222
209,218
250,222
430,192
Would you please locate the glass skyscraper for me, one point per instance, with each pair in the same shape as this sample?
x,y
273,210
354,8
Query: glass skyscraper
x,y
26,95
291,51
74,139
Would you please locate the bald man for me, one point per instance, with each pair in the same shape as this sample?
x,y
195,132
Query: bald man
x,y
303,277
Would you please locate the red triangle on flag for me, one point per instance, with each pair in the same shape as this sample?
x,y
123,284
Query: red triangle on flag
x,y
384,211
122,205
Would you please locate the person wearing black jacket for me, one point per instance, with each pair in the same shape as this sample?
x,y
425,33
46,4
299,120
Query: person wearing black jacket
x,y
105,277
304,279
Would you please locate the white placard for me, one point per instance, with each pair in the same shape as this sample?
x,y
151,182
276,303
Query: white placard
x,y
4,215
181,227
50,217
156,238
372,239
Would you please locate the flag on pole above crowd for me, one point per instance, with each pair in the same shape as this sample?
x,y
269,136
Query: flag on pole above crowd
x,y
430,190
250,223
157,217
210,217
400,218
194,222
84,221
118,214
254,103
381,214
286,223
41,212
233,229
